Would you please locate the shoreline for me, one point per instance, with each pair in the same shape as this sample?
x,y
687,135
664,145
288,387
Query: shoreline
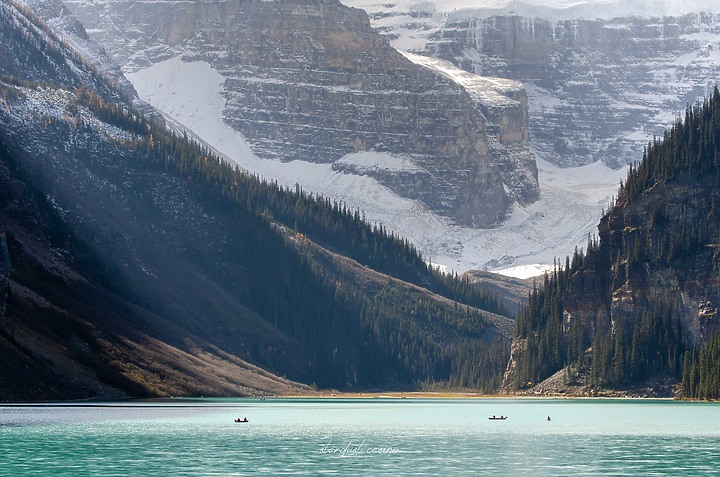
x,y
452,395
334,394
399,396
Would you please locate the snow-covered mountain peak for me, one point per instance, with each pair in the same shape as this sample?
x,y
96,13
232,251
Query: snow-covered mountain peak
x,y
547,9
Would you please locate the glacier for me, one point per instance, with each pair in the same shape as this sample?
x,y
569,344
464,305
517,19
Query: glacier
x,y
571,200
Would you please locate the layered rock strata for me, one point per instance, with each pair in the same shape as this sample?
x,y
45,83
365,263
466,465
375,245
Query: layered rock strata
x,y
599,88
312,81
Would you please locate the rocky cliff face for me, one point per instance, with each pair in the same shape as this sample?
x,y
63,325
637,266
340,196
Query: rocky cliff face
x,y
312,81
690,284
599,89
610,289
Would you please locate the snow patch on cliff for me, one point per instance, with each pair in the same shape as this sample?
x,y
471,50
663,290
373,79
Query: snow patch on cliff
x,y
483,89
569,208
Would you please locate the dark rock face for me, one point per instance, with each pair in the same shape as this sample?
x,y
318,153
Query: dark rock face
x,y
5,267
690,285
607,291
311,80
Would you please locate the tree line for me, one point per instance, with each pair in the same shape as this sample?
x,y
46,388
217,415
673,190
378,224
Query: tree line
x,y
328,222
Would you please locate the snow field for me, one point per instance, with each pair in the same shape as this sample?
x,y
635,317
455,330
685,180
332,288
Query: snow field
x,y
569,208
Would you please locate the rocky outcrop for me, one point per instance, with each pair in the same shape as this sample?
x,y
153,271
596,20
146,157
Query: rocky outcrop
x,y
691,284
599,88
504,104
312,81
610,289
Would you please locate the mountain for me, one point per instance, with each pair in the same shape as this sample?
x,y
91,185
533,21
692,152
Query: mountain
x,y
640,307
383,184
535,232
603,77
311,81
136,262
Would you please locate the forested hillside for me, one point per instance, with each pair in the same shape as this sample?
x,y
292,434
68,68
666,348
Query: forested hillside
x,y
641,303
133,261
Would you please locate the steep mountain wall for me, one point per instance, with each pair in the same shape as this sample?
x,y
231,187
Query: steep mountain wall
x,y
602,88
312,81
599,88
608,290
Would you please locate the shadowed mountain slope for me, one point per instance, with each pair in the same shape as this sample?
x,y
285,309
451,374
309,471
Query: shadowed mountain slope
x,y
135,262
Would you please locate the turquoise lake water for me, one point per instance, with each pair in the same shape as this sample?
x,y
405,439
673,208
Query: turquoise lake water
x,y
362,437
